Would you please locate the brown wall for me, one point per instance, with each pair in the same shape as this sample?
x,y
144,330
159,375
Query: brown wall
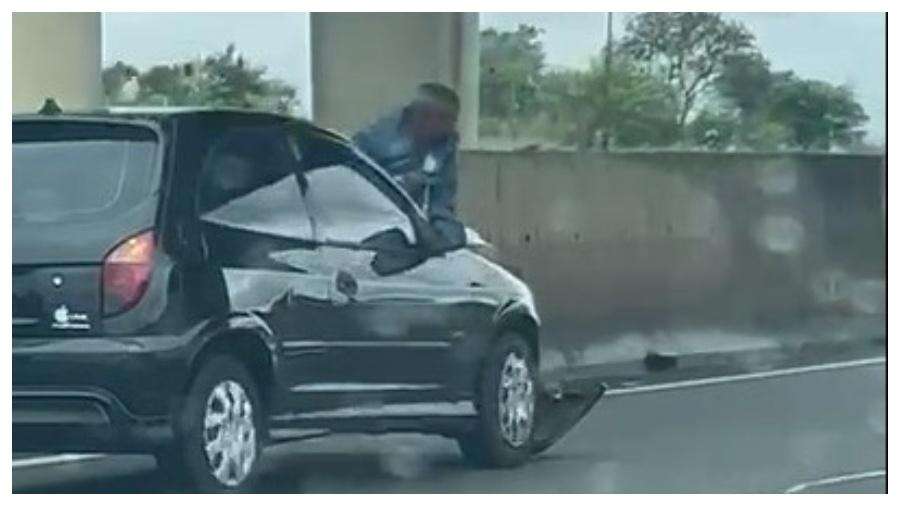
x,y
661,239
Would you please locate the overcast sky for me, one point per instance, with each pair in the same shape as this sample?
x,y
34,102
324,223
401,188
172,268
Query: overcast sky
x,y
841,48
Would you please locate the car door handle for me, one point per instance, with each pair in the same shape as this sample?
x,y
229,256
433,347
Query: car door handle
x,y
344,284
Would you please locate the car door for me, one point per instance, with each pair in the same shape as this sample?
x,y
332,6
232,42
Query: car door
x,y
387,336
258,239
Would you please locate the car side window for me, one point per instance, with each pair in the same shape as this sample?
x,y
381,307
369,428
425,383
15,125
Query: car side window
x,y
346,206
249,182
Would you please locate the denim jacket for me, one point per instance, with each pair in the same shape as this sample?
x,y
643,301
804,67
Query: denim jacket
x,y
385,143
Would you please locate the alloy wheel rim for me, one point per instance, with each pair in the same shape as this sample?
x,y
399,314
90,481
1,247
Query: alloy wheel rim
x,y
516,400
229,433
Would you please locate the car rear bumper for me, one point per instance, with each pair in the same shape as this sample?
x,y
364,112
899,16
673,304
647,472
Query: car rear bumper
x,y
96,394
81,420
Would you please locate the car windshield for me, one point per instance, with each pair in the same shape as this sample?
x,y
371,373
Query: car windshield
x,y
59,180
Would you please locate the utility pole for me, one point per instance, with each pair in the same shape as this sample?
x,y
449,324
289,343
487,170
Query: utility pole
x,y
607,63
609,40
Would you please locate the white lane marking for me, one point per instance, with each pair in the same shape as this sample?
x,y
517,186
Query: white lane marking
x,y
49,460
743,377
836,480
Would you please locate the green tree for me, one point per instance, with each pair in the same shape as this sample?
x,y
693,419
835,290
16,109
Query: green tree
x,y
511,64
714,128
222,79
167,85
746,81
688,49
818,115
115,77
676,78
633,108
229,80
778,109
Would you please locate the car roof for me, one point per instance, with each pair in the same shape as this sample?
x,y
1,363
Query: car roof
x,y
156,115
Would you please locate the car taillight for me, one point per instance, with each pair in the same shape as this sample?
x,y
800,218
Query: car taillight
x,y
126,272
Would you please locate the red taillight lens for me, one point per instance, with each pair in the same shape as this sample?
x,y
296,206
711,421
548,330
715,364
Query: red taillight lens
x,y
126,272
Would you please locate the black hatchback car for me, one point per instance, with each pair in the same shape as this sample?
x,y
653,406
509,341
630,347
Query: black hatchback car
x,y
200,283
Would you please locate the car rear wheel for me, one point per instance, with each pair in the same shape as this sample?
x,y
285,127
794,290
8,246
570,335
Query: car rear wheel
x,y
505,403
219,430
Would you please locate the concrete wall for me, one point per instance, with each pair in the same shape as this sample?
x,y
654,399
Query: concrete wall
x,y
365,63
56,55
672,239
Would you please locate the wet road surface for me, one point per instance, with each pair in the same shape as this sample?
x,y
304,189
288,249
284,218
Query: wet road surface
x,y
821,431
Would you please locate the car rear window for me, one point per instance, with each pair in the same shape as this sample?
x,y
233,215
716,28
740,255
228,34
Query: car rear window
x,y
69,171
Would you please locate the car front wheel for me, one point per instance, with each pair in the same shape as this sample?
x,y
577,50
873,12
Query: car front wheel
x,y
505,402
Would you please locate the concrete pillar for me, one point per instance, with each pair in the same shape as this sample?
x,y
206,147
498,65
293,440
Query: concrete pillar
x,y
56,54
365,64
469,77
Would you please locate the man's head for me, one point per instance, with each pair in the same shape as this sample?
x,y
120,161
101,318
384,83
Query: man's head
x,y
432,115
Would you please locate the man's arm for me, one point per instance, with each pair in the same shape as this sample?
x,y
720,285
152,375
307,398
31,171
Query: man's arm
x,y
382,142
442,202
365,141
442,205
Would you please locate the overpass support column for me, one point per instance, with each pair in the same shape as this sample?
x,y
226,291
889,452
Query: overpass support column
x,y
56,54
364,64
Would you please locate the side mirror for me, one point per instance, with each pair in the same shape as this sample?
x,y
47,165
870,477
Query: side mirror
x,y
393,252
392,239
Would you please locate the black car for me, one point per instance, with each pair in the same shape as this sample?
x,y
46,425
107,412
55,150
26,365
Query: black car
x,y
197,284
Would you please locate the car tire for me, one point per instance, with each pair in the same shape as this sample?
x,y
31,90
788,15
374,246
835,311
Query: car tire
x,y
219,431
501,437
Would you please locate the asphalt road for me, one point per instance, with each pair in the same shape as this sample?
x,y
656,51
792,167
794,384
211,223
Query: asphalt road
x,y
814,431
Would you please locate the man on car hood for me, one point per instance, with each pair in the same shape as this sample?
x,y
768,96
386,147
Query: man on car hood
x,y
417,146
